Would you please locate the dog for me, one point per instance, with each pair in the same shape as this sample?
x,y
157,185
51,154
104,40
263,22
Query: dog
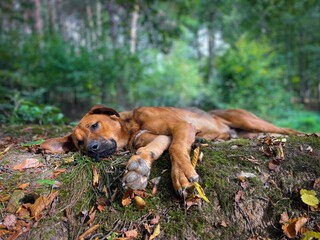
x,y
151,131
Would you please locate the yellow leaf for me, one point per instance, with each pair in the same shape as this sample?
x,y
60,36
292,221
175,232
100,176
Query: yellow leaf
x,y
141,204
201,192
309,192
195,158
155,233
309,197
310,200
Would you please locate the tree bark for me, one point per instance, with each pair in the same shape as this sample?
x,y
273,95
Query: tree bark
x,y
112,11
133,29
38,18
211,65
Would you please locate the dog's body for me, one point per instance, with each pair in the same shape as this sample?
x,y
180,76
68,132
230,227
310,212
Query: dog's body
x,y
152,130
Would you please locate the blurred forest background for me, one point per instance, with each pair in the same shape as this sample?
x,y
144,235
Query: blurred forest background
x,y
59,57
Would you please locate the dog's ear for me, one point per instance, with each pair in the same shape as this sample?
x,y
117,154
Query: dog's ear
x,y
100,109
58,145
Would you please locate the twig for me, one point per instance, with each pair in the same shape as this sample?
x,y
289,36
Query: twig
x,y
117,223
89,231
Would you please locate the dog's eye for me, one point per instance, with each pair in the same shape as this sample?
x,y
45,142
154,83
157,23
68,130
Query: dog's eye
x,y
80,143
95,126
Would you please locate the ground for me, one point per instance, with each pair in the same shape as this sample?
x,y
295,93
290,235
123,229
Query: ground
x,y
251,185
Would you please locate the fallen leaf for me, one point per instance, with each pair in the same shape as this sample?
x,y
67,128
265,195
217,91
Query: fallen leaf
x,y
14,201
57,172
132,234
309,149
102,203
309,198
279,152
284,218
293,226
195,158
140,203
27,163
200,191
95,180
156,232
223,224
9,221
193,200
246,175
238,196
316,184
126,198
274,165
155,220
23,186
244,185
40,204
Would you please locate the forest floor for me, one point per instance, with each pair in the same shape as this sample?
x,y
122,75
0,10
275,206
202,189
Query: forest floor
x,y
253,185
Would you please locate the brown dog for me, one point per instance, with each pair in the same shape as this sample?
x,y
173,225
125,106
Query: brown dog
x,y
152,130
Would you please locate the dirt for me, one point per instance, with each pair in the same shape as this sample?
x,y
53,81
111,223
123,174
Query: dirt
x,y
240,207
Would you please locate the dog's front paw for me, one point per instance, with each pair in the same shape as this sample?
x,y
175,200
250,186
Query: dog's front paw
x,y
182,179
137,173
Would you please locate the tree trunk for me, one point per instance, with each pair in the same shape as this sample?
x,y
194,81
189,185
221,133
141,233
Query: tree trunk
x,y
38,18
211,65
133,29
112,11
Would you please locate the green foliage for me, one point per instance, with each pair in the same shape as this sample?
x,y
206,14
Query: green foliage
x,y
249,77
297,119
28,112
171,80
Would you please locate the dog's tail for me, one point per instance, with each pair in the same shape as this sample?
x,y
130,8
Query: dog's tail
x,y
244,120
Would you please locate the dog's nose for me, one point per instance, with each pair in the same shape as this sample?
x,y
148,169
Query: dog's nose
x,y
93,146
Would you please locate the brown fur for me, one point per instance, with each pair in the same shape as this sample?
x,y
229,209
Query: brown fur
x,y
152,130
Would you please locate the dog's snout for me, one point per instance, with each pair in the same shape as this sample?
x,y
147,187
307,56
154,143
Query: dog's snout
x,y
93,146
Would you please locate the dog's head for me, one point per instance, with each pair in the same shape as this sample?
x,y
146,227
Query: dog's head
x,y
99,134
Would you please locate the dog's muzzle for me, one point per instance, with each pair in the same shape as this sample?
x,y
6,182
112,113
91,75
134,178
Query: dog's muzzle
x,y
100,149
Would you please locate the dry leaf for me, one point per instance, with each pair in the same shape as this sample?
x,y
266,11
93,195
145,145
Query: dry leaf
x,y
155,220
238,196
316,184
40,204
27,163
244,185
284,218
309,149
57,172
9,221
102,203
223,224
279,152
274,165
193,200
95,180
23,186
141,204
132,234
156,232
126,198
293,226
195,158
14,201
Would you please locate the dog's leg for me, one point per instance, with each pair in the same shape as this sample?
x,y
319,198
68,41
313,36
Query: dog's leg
x,y
139,165
182,172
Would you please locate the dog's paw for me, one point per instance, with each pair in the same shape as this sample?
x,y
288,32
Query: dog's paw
x,y
182,179
137,174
